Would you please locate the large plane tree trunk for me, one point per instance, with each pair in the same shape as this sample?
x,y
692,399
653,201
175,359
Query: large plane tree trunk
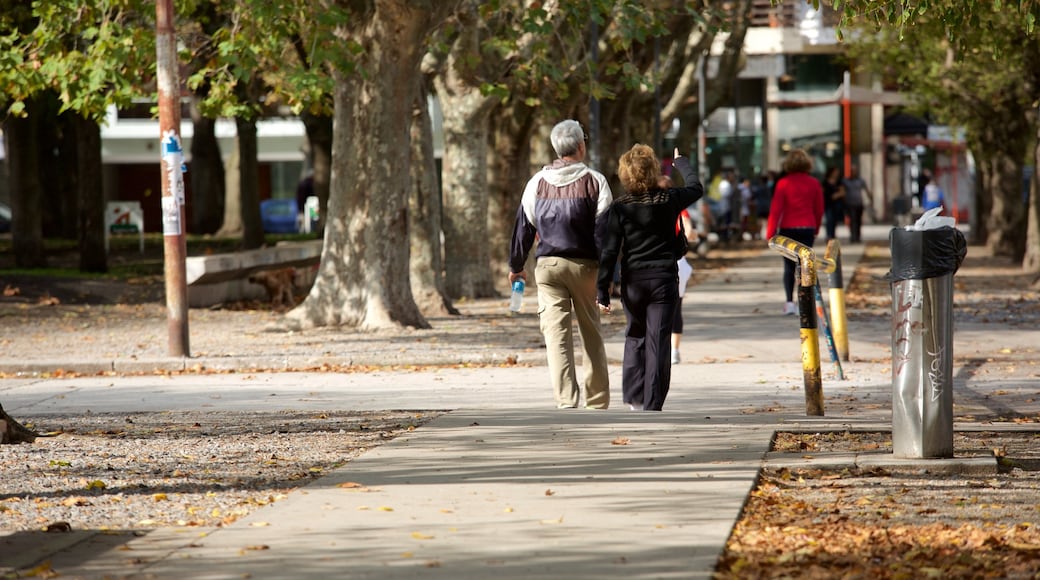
x,y
363,279
424,212
465,191
26,191
1003,146
508,172
92,255
249,184
207,176
232,224
1031,260
319,136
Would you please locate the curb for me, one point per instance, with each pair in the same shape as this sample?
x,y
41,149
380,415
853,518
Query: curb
x,y
974,465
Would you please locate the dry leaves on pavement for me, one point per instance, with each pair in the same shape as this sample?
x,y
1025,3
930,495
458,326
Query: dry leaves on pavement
x,y
883,523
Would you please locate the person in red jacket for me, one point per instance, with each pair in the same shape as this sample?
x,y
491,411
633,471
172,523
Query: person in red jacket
x,y
796,212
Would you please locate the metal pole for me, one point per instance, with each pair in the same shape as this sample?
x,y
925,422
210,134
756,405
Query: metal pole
x,y
807,288
838,318
809,335
821,318
174,243
846,114
791,248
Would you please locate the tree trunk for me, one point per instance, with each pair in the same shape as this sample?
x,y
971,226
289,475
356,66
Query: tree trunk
x,y
465,195
249,184
26,194
424,217
508,171
206,171
1031,260
1006,218
983,203
363,279
319,136
57,148
92,255
12,431
232,226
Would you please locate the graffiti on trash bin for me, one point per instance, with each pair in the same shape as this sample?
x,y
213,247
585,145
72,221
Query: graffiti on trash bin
x,y
904,326
908,302
935,374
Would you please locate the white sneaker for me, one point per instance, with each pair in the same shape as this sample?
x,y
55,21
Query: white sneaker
x,y
675,357
790,308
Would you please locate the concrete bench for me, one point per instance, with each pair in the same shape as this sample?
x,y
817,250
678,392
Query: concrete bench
x,y
220,278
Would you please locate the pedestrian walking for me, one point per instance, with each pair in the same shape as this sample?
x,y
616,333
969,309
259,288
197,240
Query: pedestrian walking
x,y
684,226
796,213
565,205
685,271
833,200
933,197
856,195
641,230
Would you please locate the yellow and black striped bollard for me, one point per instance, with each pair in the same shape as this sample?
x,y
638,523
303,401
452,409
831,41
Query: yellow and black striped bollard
x,y
839,321
810,338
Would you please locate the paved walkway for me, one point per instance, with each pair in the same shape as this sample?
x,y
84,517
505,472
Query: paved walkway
x,y
504,486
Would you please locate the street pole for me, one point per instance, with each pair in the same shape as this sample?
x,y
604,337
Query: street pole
x,y
846,122
172,171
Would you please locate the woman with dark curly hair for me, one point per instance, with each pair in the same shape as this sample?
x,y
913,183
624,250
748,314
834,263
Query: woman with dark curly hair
x,y
641,230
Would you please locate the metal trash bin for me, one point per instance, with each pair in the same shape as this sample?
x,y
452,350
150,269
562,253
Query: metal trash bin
x,y
923,264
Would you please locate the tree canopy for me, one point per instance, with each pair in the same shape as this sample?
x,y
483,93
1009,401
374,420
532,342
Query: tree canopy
x,y
971,65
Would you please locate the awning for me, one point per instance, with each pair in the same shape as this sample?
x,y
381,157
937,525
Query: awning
x,y
856,96
904,124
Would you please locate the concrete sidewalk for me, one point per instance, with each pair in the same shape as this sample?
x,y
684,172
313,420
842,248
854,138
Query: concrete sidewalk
x,y
504,486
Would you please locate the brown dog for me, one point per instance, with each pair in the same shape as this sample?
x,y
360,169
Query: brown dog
x,y
279,284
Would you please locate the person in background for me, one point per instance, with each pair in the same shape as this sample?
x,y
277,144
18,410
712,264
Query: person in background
x,y
923,179
686,226
746,213
304,189
932,197
565,205
762,196
833,200
796,213
641,229
728,206
685,272
856,192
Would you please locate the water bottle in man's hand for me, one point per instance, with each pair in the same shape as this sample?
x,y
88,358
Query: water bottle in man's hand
x,y
516,301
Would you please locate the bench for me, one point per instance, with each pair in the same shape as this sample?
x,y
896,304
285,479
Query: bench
x,y
219,278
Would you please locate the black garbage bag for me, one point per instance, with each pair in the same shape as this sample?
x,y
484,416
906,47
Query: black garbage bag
x,y
922,254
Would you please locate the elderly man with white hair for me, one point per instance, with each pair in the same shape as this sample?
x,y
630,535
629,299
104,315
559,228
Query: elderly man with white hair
x,y
564,205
